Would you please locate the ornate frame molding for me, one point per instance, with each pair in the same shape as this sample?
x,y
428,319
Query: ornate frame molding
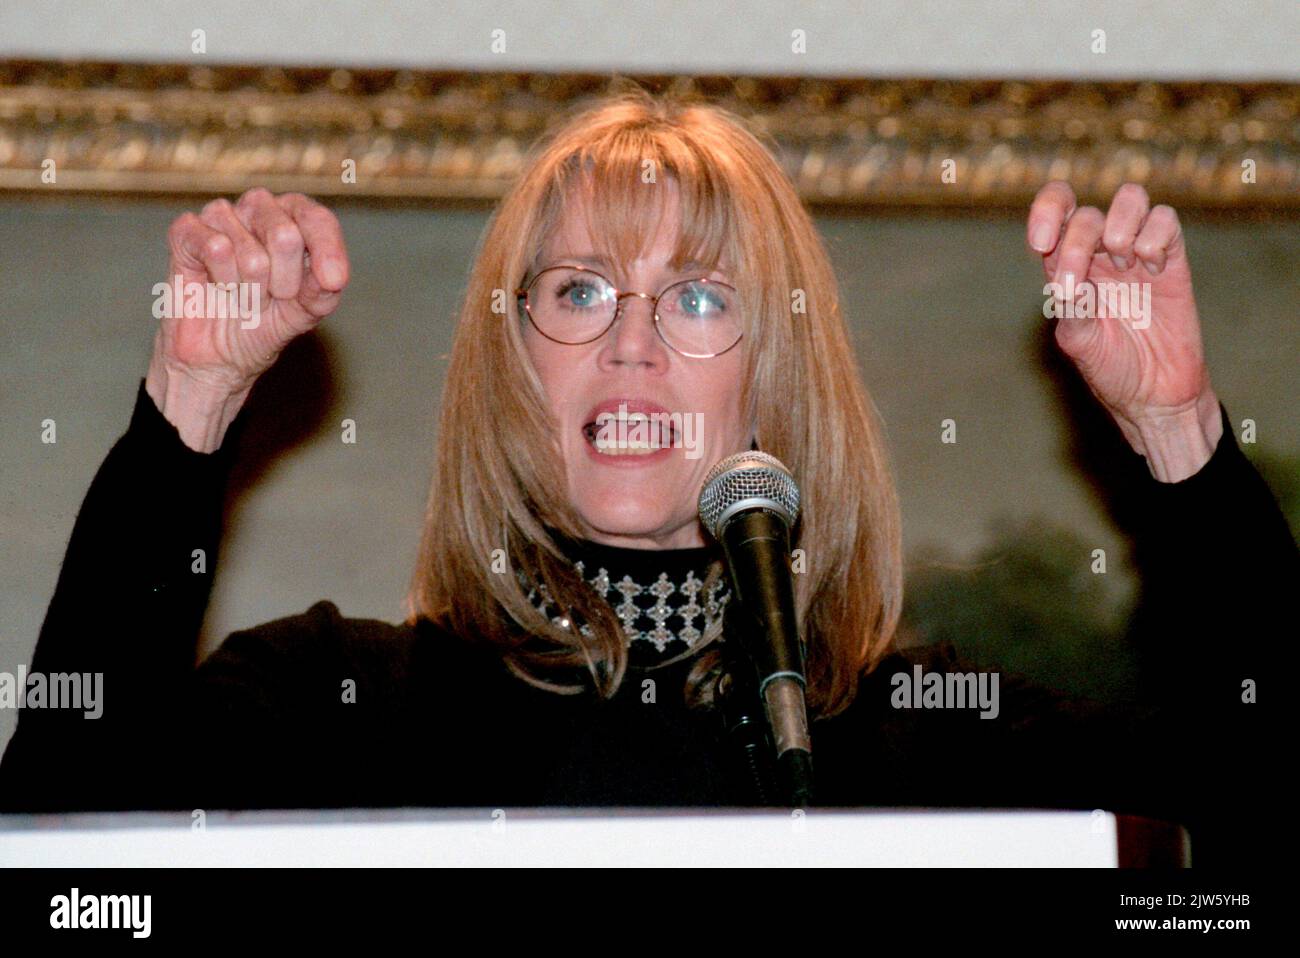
x,y
178,128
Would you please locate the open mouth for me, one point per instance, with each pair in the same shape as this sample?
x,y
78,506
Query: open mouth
x,y
636,434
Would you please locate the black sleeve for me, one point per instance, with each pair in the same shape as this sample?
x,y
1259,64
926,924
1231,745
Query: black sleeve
x,y
1219,569
1218,565
127,608
266,725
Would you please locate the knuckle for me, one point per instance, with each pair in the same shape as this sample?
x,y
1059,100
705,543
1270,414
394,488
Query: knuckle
x,y
181,225
217,207
255,262
218,244
320,216
257,194
1147,245
284,236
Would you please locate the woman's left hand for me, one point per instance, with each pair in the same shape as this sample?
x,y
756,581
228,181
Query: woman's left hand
x,y
1143,362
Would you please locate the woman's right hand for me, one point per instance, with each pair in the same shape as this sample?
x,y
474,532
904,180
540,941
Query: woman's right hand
x,y
289,250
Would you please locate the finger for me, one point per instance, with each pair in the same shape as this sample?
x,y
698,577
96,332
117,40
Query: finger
x,y
254,263
279,236
1127,212
1082,236
324,238
1049,211
314,300
1161,236
199,249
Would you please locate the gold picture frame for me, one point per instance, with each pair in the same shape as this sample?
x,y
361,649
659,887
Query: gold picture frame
x,y
131,128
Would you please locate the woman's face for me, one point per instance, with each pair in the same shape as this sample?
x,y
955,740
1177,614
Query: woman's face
x,y
626,498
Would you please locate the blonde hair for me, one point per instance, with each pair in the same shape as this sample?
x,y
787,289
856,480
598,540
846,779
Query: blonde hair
x,y
499,481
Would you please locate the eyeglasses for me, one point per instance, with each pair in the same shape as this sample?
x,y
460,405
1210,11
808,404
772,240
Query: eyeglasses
x,y
699,318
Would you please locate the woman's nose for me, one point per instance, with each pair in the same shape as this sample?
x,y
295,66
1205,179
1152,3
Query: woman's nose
x,y
633,339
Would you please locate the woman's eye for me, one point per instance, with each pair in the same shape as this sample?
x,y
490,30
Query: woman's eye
x,y
695,301
580,294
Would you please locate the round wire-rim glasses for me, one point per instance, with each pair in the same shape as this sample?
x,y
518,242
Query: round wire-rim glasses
x,y
524,295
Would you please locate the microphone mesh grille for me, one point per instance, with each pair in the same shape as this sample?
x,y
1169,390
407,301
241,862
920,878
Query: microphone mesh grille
x,y
755,479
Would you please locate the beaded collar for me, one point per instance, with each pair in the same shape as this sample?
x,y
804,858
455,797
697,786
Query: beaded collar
x,y
658,594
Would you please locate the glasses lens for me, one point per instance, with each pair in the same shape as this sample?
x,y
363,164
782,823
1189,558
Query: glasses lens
x,y
571,305
699,317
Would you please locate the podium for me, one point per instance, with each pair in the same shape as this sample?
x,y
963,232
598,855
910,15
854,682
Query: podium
x,y
613,837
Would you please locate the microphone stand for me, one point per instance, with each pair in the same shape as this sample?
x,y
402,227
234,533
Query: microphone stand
x,y
747,742
786,781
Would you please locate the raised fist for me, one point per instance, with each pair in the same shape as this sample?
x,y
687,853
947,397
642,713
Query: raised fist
x,y
244,280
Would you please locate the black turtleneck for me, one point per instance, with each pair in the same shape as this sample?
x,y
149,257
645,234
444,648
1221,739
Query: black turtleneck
x,y
321,710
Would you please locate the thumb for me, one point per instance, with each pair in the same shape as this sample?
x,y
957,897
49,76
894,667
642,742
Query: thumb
x,y
1079,337
316,301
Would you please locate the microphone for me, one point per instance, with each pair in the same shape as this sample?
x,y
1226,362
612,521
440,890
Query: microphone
x,y
749,503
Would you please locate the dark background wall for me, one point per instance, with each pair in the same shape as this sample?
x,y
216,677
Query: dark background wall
x,y
946,315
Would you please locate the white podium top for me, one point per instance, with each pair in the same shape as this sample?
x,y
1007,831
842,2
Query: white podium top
x,y
564,837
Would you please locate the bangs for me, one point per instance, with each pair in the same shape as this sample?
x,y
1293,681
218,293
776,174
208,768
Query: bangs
x,y
621,181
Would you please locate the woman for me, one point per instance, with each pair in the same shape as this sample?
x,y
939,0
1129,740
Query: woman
x,y
565,637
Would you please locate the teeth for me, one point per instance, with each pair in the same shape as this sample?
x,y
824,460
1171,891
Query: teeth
x,y
629,451
633,447
640,444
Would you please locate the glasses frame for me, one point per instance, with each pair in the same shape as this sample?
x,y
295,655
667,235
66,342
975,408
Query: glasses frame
x,y
521,296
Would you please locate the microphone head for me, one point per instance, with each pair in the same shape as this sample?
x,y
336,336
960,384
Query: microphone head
x,y
747,480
